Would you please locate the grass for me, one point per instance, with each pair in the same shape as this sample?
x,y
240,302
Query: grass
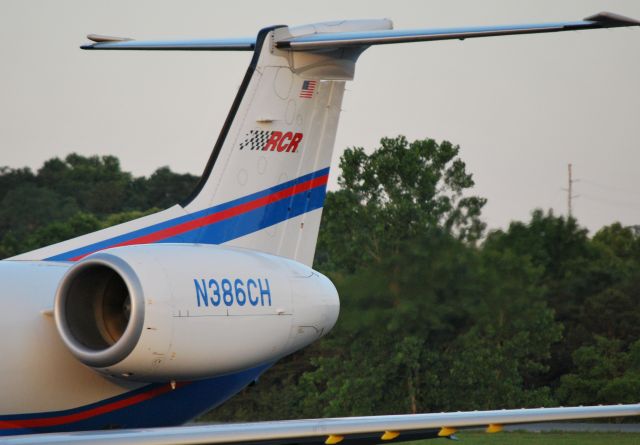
x,y
528,438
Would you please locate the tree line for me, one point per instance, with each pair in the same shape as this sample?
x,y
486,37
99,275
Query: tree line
x,y
437,313
77,195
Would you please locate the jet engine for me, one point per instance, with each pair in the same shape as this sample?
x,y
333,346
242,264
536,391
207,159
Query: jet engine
x,y
163,312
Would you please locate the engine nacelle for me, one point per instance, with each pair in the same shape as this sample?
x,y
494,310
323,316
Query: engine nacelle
x,y
162,312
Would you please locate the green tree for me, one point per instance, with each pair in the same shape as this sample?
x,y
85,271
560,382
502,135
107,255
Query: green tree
x,y
606,372
77,225
166,188
56,231
622,243
77,195
614,313
97,183
573,268
419,300
27,208
11,179
500,361
402,189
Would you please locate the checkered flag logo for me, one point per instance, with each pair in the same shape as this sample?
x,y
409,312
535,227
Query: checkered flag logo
x,y
255,140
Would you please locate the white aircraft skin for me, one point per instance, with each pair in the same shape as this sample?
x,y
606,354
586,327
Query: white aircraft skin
x,y
154,321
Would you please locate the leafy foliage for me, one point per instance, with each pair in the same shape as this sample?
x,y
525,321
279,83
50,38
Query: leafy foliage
x,y
400,191
605,372
77,195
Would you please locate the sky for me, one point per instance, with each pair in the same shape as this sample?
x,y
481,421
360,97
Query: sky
x,y
520,107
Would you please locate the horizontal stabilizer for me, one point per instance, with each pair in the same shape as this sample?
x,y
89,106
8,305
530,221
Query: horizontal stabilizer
x,y
368,38
319,37
316,40
119,43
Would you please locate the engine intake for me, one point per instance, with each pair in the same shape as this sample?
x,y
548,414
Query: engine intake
x,y
100,310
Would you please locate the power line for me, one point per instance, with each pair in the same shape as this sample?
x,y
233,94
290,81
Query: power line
x,y
611,202
608,187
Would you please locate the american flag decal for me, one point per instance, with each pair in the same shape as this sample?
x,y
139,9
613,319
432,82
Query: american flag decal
x,y
308,87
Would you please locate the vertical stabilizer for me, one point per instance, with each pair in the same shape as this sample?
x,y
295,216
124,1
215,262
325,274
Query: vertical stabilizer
x,y
274,156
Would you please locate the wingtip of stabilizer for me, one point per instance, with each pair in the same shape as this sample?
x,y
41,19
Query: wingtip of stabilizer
x,y
610,19
97,38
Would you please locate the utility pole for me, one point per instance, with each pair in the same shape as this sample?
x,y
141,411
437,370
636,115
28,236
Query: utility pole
x,y
569,192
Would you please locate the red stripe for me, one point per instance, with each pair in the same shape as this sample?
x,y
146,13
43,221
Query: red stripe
x,y
92,412
220,216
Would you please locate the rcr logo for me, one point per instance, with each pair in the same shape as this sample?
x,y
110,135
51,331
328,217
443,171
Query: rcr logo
x,y
283,142
287,142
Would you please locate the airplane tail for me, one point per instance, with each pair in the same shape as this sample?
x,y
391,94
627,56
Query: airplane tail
x,y
264,185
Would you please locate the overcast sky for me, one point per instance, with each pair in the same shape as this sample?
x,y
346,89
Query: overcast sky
x,y
520,107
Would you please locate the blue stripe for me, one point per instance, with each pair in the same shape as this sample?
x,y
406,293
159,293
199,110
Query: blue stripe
x,y
254,220
246,223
